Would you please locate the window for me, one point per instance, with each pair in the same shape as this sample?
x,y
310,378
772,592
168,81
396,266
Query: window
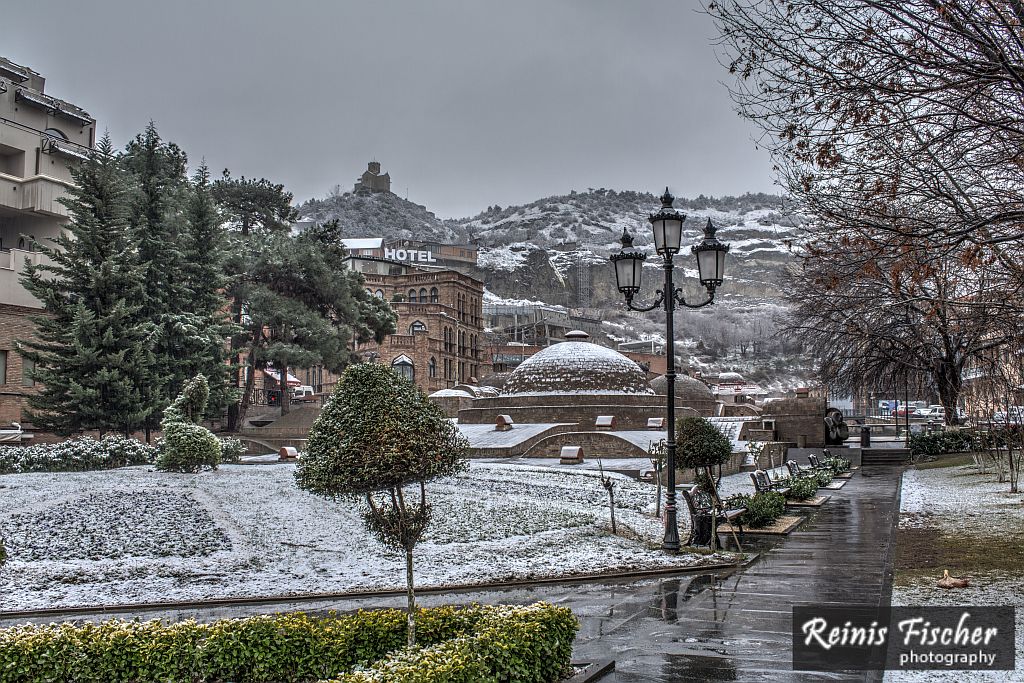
x,y
3,367
404,367
417,326
432,368
433,295
423,296
412,296
379,294
55,134
27,366
21,243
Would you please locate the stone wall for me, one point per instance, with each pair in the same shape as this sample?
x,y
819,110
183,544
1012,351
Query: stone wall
x,y
631,411
595,445
796,417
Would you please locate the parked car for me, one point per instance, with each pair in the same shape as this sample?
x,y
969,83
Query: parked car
x,y
303,393
903,411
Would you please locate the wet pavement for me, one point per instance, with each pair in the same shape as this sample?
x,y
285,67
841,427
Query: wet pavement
x,y
731,625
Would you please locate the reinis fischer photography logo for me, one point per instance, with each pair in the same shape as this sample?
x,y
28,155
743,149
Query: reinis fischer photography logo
x,y
903,638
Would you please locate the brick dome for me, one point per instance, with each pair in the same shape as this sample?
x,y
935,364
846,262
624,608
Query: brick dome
x,y
577,367
688,389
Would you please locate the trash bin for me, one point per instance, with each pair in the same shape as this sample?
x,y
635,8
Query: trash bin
x,y
865,437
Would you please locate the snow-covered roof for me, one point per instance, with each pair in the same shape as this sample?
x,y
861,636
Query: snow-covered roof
x,y
577,367
450,393
351,243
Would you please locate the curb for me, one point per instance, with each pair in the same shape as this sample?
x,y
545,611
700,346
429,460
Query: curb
x,y
353,595
593,671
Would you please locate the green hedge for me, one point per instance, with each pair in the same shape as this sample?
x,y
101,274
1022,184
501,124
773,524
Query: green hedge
x,y
938,443
803,488
76,455
762,508
523,644
284,648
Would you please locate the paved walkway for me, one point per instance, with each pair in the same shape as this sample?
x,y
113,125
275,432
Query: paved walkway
x,y
725,626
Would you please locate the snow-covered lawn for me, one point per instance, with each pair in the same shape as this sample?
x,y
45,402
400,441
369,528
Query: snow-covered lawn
x,y
136,535
961,506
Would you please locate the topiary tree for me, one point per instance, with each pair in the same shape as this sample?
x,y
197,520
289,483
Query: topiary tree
x,y
188,446
700,446
377,436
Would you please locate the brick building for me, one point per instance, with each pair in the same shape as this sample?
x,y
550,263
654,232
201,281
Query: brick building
x,y
440,337
41,137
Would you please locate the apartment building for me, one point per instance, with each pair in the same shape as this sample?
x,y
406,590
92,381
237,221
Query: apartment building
x,y
41,139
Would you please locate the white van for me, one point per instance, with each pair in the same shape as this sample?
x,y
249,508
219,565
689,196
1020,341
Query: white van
x,y
303,393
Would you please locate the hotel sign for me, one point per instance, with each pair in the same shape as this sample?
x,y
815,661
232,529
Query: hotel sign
x,y
409,255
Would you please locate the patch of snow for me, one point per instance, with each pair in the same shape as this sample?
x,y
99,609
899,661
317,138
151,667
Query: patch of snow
x,y
256,533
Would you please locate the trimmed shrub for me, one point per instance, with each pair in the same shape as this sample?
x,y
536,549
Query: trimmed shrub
x,y
524,644
803,488
937,443
76,455
231,450
837,464
520,643
188,446
762,509
823,477
700,444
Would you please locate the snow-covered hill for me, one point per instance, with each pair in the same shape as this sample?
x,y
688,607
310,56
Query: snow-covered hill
x,y
555,250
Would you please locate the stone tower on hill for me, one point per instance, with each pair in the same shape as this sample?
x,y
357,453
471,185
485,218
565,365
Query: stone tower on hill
x,y
372,180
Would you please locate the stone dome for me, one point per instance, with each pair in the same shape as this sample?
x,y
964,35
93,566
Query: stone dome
x,y
577,367
688,389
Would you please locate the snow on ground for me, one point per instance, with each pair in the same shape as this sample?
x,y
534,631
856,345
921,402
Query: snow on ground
x,y
964,502
137,535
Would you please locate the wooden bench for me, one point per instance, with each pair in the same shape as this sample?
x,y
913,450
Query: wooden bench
x,y
764,484
816,464
706,509
795,471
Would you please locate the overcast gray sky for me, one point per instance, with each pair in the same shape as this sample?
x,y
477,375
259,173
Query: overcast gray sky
x,y
466,103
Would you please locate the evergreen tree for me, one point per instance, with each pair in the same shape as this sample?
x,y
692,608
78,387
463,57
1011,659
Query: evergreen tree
x,y
255,209
204,248
157,197
305,308
380,439
93,348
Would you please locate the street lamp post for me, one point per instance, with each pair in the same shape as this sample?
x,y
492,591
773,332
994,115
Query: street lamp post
x,y
667,225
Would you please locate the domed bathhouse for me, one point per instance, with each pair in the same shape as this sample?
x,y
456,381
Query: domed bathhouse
x,y
579,394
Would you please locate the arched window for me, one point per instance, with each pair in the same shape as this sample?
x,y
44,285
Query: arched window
x,y
432,367
21,243
417,326
433,295
56,134
369,291
423,296
404,367
412,296
379,294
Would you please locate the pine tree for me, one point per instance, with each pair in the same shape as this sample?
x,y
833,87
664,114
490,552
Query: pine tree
x,y
305,308
93,348
256,209
204,252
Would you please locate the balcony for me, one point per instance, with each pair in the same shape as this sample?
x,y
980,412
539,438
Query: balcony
x,y
12,264
38,194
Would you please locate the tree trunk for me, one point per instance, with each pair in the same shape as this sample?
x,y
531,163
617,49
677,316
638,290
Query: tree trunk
x,y
611,506
949,381
285,398
411,598
243,406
